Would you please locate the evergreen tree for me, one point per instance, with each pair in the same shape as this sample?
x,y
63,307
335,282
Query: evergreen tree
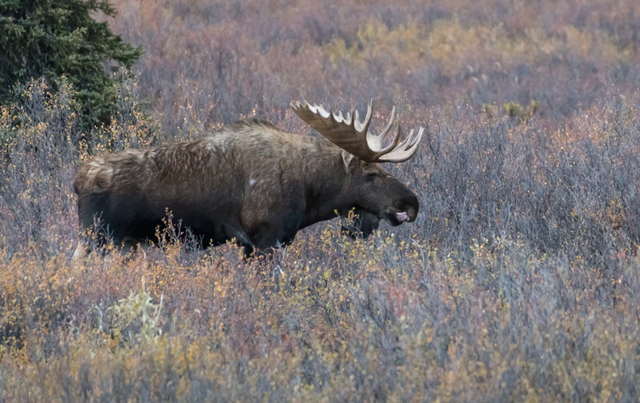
x,y
55,38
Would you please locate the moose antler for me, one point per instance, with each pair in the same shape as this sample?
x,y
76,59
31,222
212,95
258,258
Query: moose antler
x,y
353,136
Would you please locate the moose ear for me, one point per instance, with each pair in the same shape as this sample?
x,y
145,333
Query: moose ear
x,y
348,159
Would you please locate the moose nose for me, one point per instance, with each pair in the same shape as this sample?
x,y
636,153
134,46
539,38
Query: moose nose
x,y
412,208
412,212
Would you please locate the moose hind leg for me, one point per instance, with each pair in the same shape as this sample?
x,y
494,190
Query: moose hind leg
x,y
81,250
242,239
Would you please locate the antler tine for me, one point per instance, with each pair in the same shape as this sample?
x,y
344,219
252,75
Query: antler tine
x,y
375,141
393,117
364,126
406,150
409,141
351,120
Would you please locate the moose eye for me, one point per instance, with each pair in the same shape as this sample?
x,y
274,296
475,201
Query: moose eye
x,y
371,176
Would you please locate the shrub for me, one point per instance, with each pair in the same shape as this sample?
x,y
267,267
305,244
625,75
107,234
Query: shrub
x,y
136,318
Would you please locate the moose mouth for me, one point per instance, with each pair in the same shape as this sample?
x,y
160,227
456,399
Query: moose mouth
x,y
396,218
402,216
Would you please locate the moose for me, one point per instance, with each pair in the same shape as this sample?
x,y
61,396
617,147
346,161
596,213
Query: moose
x,y
251,182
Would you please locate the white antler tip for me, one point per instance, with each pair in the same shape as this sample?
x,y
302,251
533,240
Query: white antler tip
x,y
323,112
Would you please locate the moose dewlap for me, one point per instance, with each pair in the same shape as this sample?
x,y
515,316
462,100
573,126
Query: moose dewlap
x,y
250,182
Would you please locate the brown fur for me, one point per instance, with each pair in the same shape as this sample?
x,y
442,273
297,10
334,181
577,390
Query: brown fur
x,y
250,181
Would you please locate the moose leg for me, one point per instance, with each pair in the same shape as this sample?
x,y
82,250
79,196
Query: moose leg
x,y
131,245
271,236
81,250
88,243
276,223
242,239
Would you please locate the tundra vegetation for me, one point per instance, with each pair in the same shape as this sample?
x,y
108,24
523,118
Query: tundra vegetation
x,y
518,281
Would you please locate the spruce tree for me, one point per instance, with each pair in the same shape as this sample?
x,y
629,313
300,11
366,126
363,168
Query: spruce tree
x,y
55,38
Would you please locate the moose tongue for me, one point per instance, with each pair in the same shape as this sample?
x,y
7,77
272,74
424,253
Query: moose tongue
x,y
402,216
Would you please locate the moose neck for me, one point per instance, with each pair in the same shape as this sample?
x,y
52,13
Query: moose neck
x,y
329,187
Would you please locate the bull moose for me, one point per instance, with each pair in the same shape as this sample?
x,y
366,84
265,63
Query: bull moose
x,y
251,182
